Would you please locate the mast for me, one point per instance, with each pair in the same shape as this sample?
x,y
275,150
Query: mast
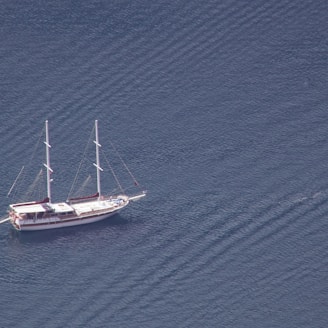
x,y
47,165
97,164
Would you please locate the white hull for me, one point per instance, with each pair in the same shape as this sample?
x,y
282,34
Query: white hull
x,y
61,224
56,222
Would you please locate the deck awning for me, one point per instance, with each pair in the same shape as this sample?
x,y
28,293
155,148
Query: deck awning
x,y
33,208
61,208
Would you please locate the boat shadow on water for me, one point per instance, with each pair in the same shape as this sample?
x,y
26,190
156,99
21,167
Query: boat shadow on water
x,y
46,236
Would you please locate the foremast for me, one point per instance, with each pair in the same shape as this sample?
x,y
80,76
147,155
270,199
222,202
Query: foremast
x,y
97,164
47,164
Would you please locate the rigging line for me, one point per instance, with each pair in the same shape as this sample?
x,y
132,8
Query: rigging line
x,y
37,144
29,164
83,186
13,185
113,173
35,187
126,167
81,162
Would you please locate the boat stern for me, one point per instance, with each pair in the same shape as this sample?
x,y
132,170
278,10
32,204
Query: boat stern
x,y
14,220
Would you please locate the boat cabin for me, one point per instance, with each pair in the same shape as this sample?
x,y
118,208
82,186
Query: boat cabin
x,y
40,210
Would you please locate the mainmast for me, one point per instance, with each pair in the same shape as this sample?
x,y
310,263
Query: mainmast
x,y
47,165
97,164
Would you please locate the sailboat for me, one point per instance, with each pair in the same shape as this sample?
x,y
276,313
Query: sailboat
x,y
44,214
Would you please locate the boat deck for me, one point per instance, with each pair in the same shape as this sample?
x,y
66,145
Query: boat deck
x,y
98,205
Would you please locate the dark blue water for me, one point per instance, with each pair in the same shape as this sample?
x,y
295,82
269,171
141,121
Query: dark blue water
x,y
220,109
